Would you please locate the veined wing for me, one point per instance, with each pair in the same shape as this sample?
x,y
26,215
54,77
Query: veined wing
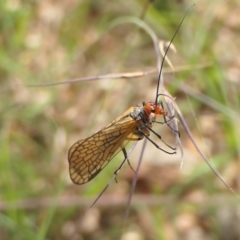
x,y
87,157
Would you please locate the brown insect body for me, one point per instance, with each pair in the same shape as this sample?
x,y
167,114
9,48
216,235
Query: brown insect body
x,y
87,157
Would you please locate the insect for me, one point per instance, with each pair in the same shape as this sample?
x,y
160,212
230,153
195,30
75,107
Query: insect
x,y
87,157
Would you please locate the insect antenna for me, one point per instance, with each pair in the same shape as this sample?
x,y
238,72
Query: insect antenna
x,y
165,54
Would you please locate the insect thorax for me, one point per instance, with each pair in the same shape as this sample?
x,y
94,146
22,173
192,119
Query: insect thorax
x,y
137,113
144,121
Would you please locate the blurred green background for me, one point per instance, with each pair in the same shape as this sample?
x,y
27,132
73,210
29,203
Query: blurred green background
x,y
53,41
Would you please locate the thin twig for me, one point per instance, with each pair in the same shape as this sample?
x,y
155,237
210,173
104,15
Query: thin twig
x,y
113,201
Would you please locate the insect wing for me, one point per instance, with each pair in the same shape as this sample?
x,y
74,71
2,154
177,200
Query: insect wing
x,y
89,156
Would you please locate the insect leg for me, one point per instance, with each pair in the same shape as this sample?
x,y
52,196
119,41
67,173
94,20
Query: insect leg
x,y
119,168
165,119
114,176
160,137
167,122
146,136
125,155
174,130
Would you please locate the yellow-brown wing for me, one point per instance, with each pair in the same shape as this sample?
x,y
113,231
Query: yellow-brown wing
x,y
87,157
